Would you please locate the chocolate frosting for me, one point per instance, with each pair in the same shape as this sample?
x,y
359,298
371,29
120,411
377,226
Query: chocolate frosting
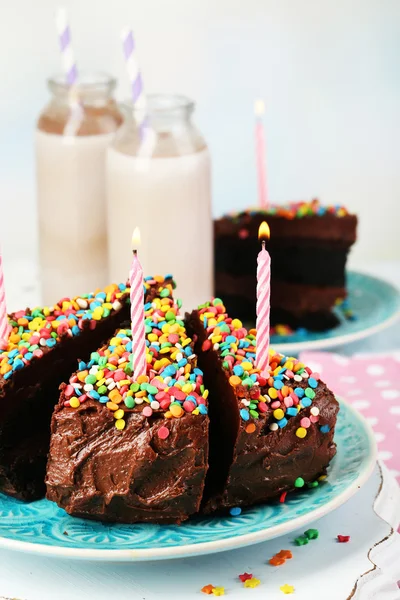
x,y
98,472
151,469
245,468
27,401
268,463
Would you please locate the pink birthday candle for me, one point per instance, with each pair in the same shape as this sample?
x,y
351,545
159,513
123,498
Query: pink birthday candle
x,y
137,311
260,155
263,301
4,324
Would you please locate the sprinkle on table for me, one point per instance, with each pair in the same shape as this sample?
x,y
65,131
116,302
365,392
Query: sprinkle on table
x,y
286,554
312,534
245,576
276,561
207,589
280,558
343,539
301,540
218,591
251,583
287,589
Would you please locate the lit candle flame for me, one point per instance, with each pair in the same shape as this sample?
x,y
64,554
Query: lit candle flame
x,y
135,239
263,231
259,108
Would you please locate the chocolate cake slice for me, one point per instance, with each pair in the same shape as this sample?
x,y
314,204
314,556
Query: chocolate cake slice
x,y
132,451
268,435
40,353
309,246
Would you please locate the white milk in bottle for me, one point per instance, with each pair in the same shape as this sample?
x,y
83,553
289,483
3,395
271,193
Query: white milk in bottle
x,y
163,187
73,133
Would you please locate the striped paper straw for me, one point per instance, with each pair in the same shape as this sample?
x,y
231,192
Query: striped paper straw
x,y
135,80
4,324
71,73
67,53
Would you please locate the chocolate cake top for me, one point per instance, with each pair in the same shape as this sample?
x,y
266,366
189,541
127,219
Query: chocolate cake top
x,y
285,221
36,331
173,384
289,388
295,210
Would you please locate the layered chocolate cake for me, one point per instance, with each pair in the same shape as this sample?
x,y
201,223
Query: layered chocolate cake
x,y
268,435
41,352
126,450
309,246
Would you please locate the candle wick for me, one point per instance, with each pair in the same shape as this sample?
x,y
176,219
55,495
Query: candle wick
x,y
263,244
134,252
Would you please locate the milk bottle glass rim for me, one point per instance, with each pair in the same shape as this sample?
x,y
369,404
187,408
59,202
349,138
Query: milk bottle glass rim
x,y
171,132
162,107
90,86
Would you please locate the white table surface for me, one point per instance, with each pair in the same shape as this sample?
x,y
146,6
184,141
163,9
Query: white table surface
x,y
324,569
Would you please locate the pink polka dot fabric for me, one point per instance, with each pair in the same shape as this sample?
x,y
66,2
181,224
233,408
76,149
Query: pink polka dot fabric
x,y
372,385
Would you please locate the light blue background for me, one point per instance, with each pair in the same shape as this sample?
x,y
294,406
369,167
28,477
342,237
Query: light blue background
x,y
328,72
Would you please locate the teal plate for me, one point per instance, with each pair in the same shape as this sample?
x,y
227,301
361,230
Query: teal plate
x,y
375,304
43,528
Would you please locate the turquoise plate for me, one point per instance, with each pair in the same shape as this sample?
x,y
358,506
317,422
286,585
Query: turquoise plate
x,y
375,304
43,528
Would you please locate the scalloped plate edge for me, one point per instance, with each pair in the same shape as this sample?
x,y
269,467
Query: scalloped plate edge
x,y
345,338
232,543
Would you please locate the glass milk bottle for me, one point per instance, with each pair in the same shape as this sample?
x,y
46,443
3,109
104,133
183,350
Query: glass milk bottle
x,y
162,185
73,133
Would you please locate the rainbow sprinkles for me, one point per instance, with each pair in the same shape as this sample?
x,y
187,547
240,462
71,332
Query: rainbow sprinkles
x,y
172,385
293,210
35,332
289,388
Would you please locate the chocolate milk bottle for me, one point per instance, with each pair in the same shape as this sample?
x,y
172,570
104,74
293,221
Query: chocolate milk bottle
x,y
163,187
73,133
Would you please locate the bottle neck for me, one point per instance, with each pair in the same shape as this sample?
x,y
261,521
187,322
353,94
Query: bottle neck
x,y
90,89
162,111
87,108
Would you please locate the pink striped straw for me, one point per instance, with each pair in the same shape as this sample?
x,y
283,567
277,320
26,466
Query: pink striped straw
x,y
137,311
260,155
135,80
4,324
